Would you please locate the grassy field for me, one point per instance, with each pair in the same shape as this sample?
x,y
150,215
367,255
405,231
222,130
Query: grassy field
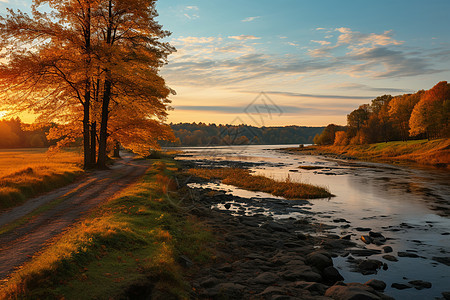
x,y
435,152
243,179
28,172
134,240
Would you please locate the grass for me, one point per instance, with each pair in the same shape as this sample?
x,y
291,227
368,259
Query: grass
x,y
128,245
243,179
434,152
25,173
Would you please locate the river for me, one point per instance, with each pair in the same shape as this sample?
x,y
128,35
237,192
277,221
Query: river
x,y
408,205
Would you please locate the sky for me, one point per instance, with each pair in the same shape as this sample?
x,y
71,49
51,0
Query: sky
x,y
296,62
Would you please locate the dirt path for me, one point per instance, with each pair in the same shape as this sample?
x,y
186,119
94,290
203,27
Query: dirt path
x,y
17,246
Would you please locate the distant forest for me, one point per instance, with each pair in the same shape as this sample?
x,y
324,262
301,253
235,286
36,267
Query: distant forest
x,y
425,114
201,134
15,134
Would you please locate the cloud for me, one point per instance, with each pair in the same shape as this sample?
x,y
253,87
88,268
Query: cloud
x,y
244,37
363,87
323,43
319,96
251,19
190,12
292,44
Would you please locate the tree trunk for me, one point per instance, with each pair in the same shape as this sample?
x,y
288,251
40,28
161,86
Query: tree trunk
x,y
93,142
116,150
86,138
102,144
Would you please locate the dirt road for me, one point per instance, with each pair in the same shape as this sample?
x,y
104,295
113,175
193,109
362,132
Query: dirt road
x,y
17,246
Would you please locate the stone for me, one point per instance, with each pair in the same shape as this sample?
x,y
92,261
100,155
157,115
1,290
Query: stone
x,y
209,282
377,235
390,257
364,252
272,290
185,262
407,254
370,265
352,292
442,260
420,284
366,239
266,278
331,275
363,229
225,268
446,295
387,249
319,260
376,284
400,286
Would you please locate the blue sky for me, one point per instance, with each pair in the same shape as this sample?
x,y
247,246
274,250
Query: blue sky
x,y
315,60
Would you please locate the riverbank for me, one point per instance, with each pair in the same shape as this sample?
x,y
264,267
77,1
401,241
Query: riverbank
x,y
423,152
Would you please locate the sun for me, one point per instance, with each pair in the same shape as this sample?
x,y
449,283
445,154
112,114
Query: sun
x,y
2,114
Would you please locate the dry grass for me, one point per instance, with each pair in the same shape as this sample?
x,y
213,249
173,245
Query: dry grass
x,y
243,179
27,172
435,152
133,239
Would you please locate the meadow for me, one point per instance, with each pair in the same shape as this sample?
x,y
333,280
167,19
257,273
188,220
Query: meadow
x,y
243,179
25,173
133,240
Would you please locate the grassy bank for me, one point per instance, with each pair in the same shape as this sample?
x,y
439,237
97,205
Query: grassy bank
x,y
243,179
435,152
28,172
127,247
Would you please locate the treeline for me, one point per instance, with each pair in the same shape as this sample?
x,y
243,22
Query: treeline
x,y
201,134
425,114
15,134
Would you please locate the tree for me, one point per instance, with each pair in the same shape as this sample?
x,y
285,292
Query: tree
x,y
430,114
400,109
95,60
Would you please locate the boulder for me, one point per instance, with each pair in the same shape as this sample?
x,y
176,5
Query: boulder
x,y
331,275
266,278
390,257
352,292
420,284
376,284
400,286
319,260
387,249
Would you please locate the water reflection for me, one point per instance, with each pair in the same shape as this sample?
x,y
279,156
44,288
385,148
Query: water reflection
x,y
410,206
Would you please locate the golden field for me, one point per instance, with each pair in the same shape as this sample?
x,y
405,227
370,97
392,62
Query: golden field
x,y
28,172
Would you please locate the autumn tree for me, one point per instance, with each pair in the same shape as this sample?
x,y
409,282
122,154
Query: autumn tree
x,y
431,114
400,109
95,60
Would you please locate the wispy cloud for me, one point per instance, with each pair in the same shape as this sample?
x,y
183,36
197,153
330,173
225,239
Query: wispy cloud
x,y
251,19
244,37
191,12
323,43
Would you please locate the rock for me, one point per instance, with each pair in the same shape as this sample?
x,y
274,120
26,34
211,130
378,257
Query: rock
x,y
281,297
366,239
376,284
346,237
400,286
340,220
272,290
301,274
225,268
407,254
387,249
442,259
319,260
185,262
370,265
331,275
364,252
390,257
266,278
316,287
209,282
420,284
352,292
363,229
227,205
446,295
376,235
230,290
301,236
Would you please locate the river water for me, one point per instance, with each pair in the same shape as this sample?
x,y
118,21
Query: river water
x,y
408,205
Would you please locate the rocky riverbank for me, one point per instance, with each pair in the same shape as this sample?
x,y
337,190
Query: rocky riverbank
x,y
259,257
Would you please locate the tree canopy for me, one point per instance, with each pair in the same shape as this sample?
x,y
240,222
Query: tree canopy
x,y
85,63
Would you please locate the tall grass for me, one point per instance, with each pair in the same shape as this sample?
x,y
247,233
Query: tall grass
x,y
133,240
243,179
26,173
